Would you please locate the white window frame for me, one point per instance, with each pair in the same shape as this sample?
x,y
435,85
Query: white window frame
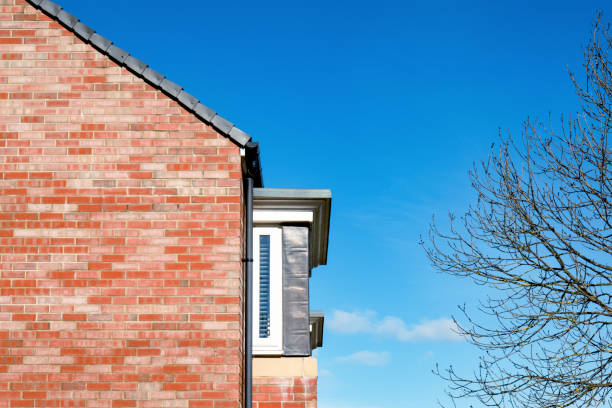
x,y
272,345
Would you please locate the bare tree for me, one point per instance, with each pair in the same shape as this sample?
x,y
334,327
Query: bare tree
x,y
540,236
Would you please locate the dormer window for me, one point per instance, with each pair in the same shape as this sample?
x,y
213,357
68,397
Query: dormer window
x,y
289,239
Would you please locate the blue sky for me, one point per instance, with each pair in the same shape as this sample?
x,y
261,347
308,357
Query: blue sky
x,y
388,104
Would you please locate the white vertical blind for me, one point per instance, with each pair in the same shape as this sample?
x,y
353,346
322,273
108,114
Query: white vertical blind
x,y
264,286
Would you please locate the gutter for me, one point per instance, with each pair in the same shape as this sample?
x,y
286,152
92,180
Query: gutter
x,y
251,171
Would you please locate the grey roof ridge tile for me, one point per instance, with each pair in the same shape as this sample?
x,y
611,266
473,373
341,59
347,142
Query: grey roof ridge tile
x,y
239,136
100,42
83,31
135,65
153,77
117,54
204,112
67,19
222,124
171,88
188,100
50,7
142,70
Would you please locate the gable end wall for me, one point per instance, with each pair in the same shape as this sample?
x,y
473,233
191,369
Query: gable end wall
x,y
120,234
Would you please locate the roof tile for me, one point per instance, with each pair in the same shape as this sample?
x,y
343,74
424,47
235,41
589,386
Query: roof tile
x,y
67,19
222,124
50,7
83,31
239,136
136,65
204,112
170,87
101,43
117,54
188,100
153,76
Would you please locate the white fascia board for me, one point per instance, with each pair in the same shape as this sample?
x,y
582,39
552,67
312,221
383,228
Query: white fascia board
x,y
278,216
289,201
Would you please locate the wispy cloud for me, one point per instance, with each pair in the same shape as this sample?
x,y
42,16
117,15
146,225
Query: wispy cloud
x,y
340,404
443,329
365,357
323,372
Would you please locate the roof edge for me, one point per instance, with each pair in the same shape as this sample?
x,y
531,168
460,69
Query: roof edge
x,y
317,200
142,70
292,193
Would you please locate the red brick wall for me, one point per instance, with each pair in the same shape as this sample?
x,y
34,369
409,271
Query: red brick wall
x,y
120,234
284,392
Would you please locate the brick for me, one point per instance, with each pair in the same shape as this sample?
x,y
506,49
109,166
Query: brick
x,y
94,79
23,317
141,174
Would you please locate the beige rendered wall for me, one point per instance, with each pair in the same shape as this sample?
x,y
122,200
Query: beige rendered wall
x,y
284,382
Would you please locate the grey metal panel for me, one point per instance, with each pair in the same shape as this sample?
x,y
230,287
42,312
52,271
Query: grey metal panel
x,y
36,2
317,320
296,317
